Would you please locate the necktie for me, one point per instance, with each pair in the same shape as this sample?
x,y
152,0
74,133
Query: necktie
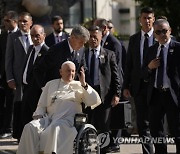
x,y
146,45
27,41
73,56
30,66
92,65
160,71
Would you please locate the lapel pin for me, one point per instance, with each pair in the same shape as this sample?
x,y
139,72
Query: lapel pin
x,y
102,58
39,54
171,51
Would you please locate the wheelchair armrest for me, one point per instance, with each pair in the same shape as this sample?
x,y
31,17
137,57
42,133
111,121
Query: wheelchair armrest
x,y
80,119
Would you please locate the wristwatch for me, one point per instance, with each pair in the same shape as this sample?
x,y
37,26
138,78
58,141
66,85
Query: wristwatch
x,y
85,87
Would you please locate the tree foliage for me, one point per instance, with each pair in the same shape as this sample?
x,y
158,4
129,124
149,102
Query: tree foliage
x,y
168,8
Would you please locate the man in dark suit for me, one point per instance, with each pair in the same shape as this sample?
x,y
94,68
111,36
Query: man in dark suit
x,y
104,78
16,51
162,72
6,95
69,49
134,84
110,42
58,33
30,86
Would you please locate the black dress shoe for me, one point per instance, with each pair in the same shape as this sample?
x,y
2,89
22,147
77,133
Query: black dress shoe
x,y
6,135
114,148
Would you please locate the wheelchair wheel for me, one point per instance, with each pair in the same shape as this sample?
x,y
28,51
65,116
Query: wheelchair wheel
x,y
87,141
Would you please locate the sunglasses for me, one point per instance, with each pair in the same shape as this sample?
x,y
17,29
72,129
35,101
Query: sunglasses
x,y
163,31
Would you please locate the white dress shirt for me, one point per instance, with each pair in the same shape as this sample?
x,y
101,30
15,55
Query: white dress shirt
x,y
37,50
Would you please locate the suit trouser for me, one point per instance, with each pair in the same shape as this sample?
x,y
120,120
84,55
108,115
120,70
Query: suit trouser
x,y
17,124
162,103
6,102
29,104
142,116
100,116
2,98
26,112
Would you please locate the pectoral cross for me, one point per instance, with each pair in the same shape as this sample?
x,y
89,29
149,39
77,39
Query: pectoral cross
x,y
53,99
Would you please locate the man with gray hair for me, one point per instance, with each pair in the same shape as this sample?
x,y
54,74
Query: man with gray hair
x,y
69,49
162,72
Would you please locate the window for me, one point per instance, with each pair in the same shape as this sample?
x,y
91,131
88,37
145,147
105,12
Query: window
x,y
80,11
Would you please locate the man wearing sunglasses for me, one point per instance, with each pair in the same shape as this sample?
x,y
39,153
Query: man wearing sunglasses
x,y
162,71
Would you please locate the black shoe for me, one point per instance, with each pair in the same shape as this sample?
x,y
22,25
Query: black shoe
x,y
6,135
103,151
114,148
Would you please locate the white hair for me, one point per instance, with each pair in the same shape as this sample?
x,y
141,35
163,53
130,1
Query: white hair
x,y
66,63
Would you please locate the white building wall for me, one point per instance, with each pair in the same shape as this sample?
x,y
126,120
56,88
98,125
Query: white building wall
x,y
104,9
125,23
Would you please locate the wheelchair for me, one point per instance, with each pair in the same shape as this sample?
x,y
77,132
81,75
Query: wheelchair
x,y
86,141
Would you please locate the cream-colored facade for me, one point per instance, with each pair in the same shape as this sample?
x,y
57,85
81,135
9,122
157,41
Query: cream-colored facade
x,y
121,12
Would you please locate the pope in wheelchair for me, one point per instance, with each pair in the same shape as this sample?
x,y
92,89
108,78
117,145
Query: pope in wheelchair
x,y
52,130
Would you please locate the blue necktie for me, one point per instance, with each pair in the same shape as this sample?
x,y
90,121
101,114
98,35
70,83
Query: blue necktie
x,y
160,72
27,42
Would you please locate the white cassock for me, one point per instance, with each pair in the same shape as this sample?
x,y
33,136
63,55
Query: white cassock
x,y
59,102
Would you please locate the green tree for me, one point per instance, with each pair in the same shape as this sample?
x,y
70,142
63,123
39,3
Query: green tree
x,y
168,8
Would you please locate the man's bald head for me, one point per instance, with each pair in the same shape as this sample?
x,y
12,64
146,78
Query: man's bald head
x,y
37,34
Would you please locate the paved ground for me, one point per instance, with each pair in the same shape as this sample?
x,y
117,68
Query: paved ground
x,y
9,146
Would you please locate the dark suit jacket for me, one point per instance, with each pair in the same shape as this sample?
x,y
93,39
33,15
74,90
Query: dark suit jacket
x,y
113,44
53,60
15,60
173,68
33,86
108,75
50,40
133,70
3,41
